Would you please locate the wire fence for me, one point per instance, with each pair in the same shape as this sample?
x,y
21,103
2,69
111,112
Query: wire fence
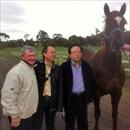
x,y
62,56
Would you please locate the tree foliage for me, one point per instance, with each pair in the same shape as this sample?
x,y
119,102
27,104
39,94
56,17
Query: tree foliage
x,y
42,37
3,36
26,36
58,40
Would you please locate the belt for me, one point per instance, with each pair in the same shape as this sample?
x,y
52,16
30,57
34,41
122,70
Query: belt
x,y
46,98
79,94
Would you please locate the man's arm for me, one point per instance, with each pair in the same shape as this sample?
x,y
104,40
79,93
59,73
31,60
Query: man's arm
x,y
9,94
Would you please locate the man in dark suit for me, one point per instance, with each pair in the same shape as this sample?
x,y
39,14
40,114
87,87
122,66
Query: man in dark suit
x,y
47,74
78,89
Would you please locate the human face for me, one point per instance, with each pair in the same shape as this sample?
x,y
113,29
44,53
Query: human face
x,y
29,57
75,54
50,55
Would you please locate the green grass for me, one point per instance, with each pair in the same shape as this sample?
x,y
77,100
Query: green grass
x,y
10,52
61,54
126,89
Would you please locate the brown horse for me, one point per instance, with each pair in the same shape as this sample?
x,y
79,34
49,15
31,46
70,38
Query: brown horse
x,y
107,65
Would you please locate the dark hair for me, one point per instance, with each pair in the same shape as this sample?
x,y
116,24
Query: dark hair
x,y
44,50
73,45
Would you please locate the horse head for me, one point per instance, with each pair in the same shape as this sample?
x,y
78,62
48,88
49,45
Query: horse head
x,y
114,28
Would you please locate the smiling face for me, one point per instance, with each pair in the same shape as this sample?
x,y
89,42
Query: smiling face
x,y
50,54
29,57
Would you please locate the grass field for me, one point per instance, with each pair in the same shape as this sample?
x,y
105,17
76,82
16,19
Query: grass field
x,y
61,54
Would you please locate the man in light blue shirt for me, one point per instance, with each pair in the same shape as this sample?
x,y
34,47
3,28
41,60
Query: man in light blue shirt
x,y
78,83
78,88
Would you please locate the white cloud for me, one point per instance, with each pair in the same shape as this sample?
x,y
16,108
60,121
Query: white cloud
x,y
65,17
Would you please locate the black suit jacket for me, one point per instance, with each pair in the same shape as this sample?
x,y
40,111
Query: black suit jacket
x,y
67,81
55,86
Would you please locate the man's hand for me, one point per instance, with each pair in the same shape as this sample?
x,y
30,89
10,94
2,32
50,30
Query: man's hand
x,y
61,114
15,121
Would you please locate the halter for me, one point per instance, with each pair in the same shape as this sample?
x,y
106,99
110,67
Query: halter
x,y
109,37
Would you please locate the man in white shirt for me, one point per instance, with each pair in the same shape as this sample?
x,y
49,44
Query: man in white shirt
x,y
20,92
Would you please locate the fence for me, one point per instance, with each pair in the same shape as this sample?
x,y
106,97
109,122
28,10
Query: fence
x,y
126,61
62,56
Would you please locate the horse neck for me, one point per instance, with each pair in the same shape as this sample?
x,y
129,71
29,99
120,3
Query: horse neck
x,y
111,59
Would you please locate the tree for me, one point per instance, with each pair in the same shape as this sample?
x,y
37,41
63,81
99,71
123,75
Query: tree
x,y
58,40
26,36
3,36
42,37
127,37
57,36
74,39
97,30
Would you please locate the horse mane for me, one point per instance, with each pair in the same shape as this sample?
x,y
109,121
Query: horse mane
x,y
87,54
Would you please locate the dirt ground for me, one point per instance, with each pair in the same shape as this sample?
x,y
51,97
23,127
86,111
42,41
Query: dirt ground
x,y
105,122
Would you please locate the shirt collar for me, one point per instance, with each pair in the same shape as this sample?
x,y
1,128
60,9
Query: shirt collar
x,y
75,65
28,63
48,64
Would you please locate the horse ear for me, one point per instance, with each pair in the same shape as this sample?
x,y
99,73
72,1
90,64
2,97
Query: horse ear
x,y
106,9
123,9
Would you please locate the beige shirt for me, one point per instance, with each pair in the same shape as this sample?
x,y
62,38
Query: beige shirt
x,y
19,95
47,87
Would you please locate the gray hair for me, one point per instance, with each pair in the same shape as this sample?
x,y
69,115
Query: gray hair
x,y
27,48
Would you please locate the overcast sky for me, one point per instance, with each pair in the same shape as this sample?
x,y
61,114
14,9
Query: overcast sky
x,y
81,17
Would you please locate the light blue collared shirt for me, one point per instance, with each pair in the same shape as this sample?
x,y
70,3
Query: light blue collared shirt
x,y
78,83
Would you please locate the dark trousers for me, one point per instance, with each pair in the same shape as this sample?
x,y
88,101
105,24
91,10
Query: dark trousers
x,y
44,111
77,111
25,124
